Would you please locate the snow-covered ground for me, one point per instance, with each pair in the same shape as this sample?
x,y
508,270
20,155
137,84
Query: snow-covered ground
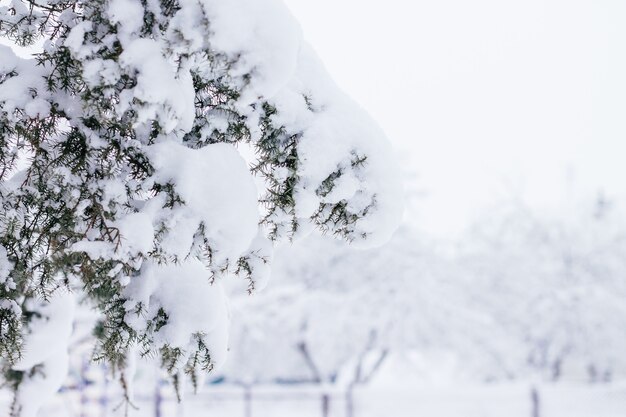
x,y
501,400
445,401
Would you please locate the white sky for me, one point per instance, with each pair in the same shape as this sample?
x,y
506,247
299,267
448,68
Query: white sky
x,y
485,98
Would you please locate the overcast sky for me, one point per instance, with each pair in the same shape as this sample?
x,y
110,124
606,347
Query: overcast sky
x,y
485,98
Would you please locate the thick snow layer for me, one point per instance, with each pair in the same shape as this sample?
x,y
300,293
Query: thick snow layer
x,y
454,400
46,346
218,191
5,269
172,102
37,390
127,13
264,34
9,61
334,130
23,85
192,303
48,333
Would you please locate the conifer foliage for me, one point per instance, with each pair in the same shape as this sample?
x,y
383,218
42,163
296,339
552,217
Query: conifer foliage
x,y
129,147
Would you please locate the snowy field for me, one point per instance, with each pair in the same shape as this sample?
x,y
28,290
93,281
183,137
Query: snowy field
x,y
562,400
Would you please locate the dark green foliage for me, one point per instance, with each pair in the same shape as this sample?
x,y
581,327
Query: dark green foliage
x,y
278,150
338,217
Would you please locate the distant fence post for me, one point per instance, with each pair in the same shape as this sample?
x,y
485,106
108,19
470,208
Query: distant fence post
x,y
535,402
105,394
350,401
158,399
82,385
247,400
325,404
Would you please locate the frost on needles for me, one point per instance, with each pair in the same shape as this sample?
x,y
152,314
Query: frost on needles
x,y
127,181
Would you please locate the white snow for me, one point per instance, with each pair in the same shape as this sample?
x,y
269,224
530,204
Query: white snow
x,y
192,303
5,269
49,333
128,14
25,89
454,400
46,345
37,390
172,103
266,37
218,191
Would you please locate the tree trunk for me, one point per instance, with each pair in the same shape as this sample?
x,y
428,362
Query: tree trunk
x,y
535,402
158,399
379,362
248,400
350,401
315,372
325,405
82,384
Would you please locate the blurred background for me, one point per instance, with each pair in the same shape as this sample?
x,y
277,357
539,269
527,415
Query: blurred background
x,y
504,292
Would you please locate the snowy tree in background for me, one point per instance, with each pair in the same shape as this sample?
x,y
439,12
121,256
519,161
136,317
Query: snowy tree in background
x,y
556,283
350,310
128,150
522,295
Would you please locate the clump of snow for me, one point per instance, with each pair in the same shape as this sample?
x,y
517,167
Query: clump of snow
x,y
22,86
74,40
39,388
137,232
49,331
45,355
218,195
12,306
192,303
218,192
128,14
172,103
5,269
264,37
